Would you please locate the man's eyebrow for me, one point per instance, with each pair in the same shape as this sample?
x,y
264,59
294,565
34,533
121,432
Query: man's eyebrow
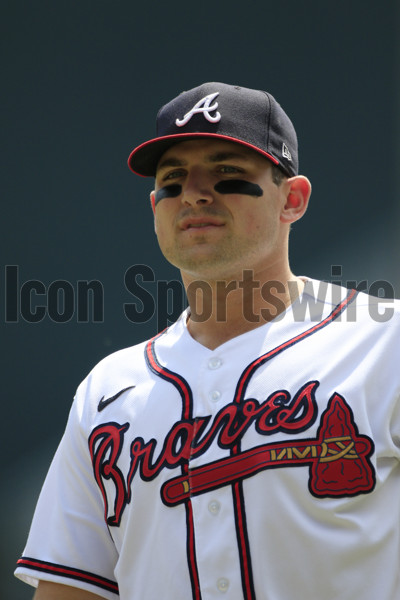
x,y
170,162
223,156
213,158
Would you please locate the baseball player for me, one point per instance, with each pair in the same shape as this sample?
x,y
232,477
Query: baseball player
x,y
251,450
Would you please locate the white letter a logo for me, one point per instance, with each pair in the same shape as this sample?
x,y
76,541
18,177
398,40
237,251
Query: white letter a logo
x,y
202,106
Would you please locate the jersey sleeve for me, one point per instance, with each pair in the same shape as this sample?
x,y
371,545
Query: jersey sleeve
x,y
69,541
392,376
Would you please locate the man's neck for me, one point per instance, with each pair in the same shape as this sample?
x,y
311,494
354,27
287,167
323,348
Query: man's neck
x,y
222,310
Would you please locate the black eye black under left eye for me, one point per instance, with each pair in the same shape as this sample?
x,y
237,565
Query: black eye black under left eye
x,y
238,186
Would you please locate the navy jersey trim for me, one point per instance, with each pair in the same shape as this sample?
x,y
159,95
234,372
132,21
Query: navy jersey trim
x,y
69,572
177,380
253,366
187,413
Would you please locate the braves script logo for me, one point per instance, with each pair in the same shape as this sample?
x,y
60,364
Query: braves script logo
x,y
338,458
202,106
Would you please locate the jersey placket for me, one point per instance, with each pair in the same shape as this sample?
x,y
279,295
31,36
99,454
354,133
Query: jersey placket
x,y
213,511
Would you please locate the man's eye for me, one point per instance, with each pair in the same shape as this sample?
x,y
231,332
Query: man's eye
x,y
172,175
230,169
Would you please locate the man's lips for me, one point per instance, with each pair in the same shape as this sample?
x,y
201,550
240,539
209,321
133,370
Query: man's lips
x,y
199,223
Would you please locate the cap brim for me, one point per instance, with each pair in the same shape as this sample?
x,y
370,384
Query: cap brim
x,y
144,159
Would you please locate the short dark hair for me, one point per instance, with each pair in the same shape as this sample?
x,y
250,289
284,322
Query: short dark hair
x,y
278,175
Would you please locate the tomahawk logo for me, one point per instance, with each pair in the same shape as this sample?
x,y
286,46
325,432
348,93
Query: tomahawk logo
x,y
338,461
202,106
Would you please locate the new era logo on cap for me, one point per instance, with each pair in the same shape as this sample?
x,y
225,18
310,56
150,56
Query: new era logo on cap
x,y
286,152
252,118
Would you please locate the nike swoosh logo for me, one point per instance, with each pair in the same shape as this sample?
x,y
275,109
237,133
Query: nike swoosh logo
x,y
105,402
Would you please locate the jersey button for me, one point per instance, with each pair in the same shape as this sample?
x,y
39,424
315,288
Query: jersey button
x,y
214,507
223,584
214,363
215,395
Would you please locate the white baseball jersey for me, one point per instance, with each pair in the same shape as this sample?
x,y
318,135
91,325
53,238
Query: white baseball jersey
x,y
266,469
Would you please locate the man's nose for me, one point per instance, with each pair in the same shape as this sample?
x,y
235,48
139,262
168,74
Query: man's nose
x,y
197,188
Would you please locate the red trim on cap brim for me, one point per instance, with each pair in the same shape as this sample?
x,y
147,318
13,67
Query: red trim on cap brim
x,y
182,136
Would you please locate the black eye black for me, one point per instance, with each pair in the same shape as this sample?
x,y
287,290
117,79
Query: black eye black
x,y
168,191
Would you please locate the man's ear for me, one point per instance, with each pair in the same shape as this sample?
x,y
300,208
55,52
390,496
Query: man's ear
x,y
298,192
153,201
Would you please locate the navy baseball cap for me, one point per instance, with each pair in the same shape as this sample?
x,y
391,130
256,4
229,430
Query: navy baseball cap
x,y
232,113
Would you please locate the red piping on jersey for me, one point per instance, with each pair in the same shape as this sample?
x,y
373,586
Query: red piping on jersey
x,y
47,567
248,372
244,549
187,405
179,382
191,552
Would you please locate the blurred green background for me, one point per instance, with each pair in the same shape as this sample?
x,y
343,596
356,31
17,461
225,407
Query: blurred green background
x,y
81,82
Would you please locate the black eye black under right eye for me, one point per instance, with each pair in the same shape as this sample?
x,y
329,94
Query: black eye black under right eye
x,y
168,191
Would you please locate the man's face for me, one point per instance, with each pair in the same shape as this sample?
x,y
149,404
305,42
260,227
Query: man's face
x,y
217,210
